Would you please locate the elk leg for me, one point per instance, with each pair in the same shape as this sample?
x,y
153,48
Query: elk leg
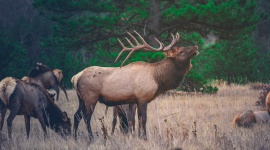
x,y
2,119
123,119
114,119
78,116
27,124
14,109
88,112
142,117
132,108
42,122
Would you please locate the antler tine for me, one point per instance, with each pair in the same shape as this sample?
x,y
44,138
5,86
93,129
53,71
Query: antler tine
x,y
127,57
144,45
135,40
174,41
124,49
129,42
148,47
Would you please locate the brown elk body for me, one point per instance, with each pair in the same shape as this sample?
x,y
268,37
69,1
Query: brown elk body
x,y
267,101
138,82
126,115
249,117
46,78
31,100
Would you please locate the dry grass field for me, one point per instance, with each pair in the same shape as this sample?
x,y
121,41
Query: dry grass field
x,y
192,122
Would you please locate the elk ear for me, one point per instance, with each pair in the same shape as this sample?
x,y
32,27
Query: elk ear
x,y
171,53
64,116
58,74
236,120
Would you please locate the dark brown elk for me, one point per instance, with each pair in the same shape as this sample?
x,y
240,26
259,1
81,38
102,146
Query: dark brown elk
x,y
31,100
126,115
138,82
46,78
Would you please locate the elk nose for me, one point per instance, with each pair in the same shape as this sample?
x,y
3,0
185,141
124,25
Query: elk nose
x,y
196,47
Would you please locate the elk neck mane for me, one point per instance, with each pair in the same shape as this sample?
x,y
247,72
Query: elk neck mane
x,y
169,73
54,112
37,71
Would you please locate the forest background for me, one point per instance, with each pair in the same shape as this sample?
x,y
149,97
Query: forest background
x,y
233,36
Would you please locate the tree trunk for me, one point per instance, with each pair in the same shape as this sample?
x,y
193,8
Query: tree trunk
x,y
228,79
153,22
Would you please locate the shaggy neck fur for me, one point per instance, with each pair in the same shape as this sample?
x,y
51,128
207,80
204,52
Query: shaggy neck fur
x,y
54,115
39,70
168,73
53,112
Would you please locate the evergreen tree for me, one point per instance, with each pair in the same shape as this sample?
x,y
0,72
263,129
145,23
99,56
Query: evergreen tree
x,y
92,26
14,59
81,24
232,61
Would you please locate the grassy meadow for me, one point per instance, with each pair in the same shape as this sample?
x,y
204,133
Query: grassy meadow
x,y
190,122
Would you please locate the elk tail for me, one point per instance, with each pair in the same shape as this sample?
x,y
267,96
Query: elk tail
x,y
7,87
74,80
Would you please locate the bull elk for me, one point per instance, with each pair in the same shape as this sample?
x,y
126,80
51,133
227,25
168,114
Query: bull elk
x,y
31,100
46,78
138,82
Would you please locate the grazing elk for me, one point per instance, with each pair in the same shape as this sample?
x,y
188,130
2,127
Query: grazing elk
x,y
126,115
31,100
138,82
249,118
46,78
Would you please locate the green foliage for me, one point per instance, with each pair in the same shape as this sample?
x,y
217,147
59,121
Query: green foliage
x,y
263,70
85,32
209,89
231,60
192,82
14,59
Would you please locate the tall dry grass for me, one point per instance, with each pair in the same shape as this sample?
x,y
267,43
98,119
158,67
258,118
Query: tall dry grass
x,y
192,122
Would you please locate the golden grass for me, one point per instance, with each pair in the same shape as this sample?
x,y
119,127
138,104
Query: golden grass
x,y
192,122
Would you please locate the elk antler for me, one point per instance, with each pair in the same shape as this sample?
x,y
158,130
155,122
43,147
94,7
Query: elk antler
x,y
144,45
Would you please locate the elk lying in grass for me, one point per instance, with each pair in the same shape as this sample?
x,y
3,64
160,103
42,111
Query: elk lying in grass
x,y
249,117
46,78
138,82
31,100
126,115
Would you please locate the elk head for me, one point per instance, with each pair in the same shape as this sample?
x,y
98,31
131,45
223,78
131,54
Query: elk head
x,y
64,126
180,53
246,119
